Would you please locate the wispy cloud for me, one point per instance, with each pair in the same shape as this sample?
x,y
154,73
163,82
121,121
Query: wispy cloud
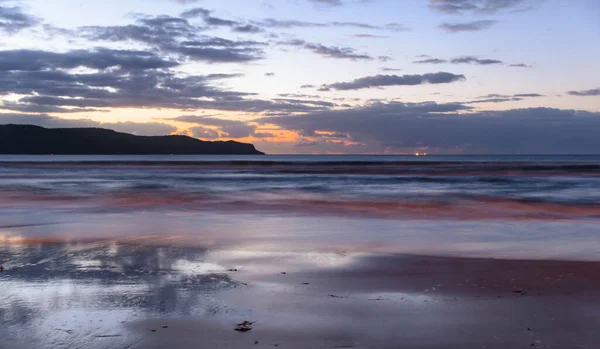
x,y
292,23
459,60
473,26
394,80
328,51
481,6
585,93
519,65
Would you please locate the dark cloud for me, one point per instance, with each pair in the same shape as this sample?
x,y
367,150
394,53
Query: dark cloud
x,y
42,109
269,74
176,35
468,26
247,28
99,58
124,79
128,79
586,93
390,69
44,120
13,19
328,51
431,61
307,86
480,6
395,80
403,127
530,95
474,60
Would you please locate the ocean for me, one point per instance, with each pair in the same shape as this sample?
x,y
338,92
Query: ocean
x,y
315,251
489,206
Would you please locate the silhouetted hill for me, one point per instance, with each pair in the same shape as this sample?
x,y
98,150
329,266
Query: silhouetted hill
x,y
29,139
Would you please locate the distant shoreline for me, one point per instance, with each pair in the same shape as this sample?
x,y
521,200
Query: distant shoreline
x,y
35,140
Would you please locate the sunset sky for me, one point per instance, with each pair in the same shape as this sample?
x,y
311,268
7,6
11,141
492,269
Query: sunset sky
x,y
312,76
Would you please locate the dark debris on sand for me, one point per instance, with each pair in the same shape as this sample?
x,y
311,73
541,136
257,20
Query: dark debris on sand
x,y
244,326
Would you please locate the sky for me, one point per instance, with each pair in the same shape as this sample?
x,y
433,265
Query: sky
x,y
312,76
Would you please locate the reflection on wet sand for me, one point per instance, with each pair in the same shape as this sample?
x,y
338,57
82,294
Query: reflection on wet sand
x,y
113,295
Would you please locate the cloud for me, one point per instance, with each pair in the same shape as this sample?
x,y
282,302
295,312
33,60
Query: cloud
x,y
288,24
176,35
328,2
208,18
474,60
13,19
530,95
586,93
142,129
328,51
369,36
519,65
232,128
264,135
459,60
46,82
497,98
431,61
304,101
186,2
203,132
395,80
32,108
404,127
480,6
118,78
99,58
390,69
269,74
468,26
296,95
247,28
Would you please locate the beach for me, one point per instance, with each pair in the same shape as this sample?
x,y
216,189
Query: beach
x,y
155,254
122,295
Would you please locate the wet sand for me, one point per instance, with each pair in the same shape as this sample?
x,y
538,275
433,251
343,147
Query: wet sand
x,y
113,295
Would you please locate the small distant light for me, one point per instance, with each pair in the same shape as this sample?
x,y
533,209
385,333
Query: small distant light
x,y
417,154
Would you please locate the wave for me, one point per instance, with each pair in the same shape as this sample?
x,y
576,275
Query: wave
x,y
447,168
458,207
